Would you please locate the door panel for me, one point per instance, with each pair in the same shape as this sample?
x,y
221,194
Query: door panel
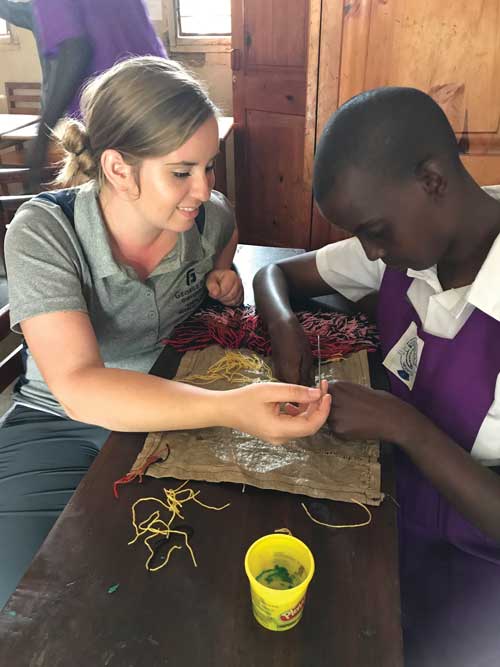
x,y
273,204
275,152
275,33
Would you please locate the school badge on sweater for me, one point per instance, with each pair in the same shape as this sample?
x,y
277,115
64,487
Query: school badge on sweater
x,y
403,359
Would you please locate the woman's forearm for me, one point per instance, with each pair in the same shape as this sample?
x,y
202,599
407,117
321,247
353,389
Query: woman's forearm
x,y
123,400
129,401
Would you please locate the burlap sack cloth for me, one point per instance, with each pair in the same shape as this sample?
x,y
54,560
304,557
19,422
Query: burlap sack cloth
x,y
319,466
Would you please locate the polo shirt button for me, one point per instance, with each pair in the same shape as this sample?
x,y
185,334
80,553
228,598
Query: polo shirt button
x,y
151,315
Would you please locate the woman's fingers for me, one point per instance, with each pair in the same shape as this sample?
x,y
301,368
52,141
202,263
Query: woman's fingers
x,y
279,392
305,423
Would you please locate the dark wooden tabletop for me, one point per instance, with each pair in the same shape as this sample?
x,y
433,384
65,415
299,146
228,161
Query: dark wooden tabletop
x,y
63,615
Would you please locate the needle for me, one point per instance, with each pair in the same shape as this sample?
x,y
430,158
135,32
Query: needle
x,y
319,363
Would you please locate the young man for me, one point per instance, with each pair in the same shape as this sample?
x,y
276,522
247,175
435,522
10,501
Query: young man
x,y
426,238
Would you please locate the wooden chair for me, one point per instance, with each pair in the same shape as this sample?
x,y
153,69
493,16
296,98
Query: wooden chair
x,y
11,361
10,176
23,97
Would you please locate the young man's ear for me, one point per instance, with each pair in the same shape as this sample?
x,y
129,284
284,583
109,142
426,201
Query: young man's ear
x,y
431,177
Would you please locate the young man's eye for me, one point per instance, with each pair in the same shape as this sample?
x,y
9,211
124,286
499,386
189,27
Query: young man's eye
x,y
210,167
375,234
181,174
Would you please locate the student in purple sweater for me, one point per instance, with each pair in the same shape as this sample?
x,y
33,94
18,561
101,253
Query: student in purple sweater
x,y
426,239
79,39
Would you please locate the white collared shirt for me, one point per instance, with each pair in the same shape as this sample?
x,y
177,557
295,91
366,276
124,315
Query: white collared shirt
x,y
345,267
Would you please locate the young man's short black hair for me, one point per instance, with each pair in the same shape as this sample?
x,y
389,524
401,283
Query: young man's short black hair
x,y
387,131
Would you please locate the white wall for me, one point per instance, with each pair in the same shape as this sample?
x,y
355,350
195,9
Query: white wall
x,y
18,62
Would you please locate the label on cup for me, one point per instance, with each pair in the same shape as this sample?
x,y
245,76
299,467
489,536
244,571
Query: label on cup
x,y
292,613
273,617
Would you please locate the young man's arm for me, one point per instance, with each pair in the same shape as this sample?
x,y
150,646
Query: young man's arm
x,y
474,490
273,286
341,267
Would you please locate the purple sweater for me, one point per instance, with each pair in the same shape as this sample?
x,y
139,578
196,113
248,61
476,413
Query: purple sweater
x,y
115,28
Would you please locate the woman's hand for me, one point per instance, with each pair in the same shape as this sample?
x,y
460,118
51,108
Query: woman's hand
x,y
362,413
292,357
225,286
256,409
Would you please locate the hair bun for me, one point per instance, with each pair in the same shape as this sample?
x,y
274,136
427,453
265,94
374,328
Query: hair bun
x,y
74,138
79,164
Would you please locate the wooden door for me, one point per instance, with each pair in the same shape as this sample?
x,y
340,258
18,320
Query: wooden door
x,y
451,50
269,60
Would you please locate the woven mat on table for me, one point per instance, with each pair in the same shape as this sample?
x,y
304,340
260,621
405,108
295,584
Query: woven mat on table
x,y
319,466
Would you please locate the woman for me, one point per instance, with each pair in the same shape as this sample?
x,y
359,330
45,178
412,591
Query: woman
x,y
99,275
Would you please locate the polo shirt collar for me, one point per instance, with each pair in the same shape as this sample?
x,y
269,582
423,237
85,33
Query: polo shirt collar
x,y
92,232
483,293
485,290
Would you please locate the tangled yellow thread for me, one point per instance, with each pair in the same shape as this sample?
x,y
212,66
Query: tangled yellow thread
x,y
154,526
231,367
348,525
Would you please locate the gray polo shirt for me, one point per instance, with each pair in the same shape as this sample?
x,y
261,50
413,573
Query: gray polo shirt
x,y
55,266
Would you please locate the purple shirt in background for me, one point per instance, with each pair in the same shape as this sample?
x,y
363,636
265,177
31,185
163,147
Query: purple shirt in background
x,y
115,28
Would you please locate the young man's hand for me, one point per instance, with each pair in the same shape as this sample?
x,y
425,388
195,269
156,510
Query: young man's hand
x,y
225,286
362,413
292,357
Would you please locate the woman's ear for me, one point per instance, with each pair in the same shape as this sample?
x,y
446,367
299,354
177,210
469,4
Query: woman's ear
x,y
119,174
431,177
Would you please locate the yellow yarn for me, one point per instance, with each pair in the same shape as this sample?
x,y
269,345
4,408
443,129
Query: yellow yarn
x,y
348,525
154,526
231,367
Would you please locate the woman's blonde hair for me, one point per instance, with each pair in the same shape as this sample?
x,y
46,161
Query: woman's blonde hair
x,y
142,107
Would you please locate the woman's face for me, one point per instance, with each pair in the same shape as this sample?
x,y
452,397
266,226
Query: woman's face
x,y
173,186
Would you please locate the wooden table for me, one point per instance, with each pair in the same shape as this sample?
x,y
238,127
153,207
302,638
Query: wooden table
x,y
62,615
10,122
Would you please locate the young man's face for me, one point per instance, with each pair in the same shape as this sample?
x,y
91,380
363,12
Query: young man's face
x,y
397,222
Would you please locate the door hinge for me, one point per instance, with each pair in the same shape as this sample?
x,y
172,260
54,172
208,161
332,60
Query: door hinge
x,y
235,60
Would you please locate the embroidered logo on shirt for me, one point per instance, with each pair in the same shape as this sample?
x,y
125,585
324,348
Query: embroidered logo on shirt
x,y
190,277
404,357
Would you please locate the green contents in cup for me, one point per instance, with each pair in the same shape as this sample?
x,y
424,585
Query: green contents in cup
x,y
280,578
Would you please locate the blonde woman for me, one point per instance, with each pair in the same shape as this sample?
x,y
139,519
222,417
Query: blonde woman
x,y
98,275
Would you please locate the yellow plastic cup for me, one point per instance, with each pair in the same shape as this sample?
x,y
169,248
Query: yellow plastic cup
x,y
278,609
